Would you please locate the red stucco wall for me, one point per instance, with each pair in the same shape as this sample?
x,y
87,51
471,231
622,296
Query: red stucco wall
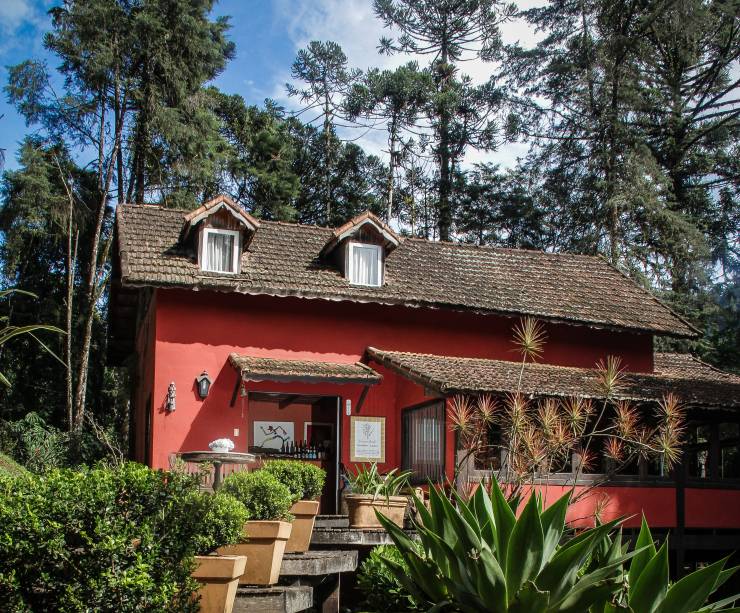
x,y
188,332
196,331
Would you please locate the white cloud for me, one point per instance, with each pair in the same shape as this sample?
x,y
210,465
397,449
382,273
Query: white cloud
x,y
352,24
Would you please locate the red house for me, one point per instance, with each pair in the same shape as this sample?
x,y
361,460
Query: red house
x,y
351,342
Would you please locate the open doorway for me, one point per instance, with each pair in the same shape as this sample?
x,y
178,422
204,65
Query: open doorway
x,y
300,426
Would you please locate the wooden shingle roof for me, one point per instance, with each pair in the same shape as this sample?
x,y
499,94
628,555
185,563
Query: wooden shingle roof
x,y
273,369
451,375
283,260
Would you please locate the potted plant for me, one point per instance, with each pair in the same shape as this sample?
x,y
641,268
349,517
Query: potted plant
x,y
305,482
371,491
221,518
267,532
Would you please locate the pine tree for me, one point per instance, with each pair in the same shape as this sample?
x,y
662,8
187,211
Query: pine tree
x,y
323,67
396,97
449,32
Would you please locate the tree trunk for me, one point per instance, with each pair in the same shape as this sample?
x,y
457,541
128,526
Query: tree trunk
x,y
91,293
392,165
444,219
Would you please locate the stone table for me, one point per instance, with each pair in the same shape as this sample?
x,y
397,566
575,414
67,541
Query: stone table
x,y
217,458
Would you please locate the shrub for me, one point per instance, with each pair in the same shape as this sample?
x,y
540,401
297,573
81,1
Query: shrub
x,y
261,493
222,517
381,588
107,539
305,481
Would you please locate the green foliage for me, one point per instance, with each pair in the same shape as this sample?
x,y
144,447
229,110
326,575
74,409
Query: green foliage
x,y
35,444
261,493
381,588
221,517
305,481
367,480
107,539
650,590
10,468
477,556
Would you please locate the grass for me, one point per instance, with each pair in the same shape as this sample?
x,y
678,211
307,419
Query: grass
x,y
10,467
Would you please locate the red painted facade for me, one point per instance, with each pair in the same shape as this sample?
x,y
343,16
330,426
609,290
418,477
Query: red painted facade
x,y
186,332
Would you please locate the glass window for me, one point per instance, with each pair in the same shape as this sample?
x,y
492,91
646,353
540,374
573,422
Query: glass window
x,y
422,436
365,265
220,250
729,442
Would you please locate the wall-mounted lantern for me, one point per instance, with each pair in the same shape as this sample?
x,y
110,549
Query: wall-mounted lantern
x,y
204,384
170,403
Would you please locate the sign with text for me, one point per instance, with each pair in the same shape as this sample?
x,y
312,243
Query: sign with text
x,y
367,439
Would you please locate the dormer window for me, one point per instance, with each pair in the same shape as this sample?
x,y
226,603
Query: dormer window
x,y
220,250
365,264
360,249
219,231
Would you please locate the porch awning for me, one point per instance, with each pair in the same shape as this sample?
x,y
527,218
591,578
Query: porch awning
x,y
696,383
306,371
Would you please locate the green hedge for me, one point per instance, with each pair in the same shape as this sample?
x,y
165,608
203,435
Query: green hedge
x,y
107,539
305,481
263,495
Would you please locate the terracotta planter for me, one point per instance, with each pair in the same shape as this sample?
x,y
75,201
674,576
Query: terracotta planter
x,y
361,510
305,512
219,578
264,546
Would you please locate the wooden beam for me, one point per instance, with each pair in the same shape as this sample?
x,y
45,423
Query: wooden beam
x,y
236,389
288,400
361,399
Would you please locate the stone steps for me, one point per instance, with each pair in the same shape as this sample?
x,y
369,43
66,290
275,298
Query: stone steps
x,y
275,599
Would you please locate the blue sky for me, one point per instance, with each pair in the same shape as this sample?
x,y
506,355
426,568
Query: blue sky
x,y
267,33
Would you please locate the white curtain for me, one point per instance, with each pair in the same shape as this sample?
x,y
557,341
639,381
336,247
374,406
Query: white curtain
x,y
365,265
220,252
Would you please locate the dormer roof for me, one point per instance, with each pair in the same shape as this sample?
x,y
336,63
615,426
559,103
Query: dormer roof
x,y
222,201
363,221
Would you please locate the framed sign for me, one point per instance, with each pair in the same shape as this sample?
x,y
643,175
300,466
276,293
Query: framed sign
x,y
367,439
273,434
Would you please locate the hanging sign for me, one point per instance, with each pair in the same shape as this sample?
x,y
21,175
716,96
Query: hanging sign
x,y
367,439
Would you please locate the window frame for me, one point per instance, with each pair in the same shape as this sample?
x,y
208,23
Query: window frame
x,y
350,266
407,414
235,256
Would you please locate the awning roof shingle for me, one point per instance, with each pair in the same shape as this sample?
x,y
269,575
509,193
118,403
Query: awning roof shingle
x,y
449,375
283,260
273,369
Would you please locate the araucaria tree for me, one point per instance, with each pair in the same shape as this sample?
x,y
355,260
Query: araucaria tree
x,y
449,32
323,67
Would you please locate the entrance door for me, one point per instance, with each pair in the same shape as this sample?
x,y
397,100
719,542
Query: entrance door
x,y
423,442
300,426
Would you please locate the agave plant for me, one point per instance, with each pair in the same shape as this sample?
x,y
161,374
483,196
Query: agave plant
x,y
479,557
650,591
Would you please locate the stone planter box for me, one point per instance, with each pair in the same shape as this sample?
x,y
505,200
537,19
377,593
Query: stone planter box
x,y
361,510
305,512
219,578
264,546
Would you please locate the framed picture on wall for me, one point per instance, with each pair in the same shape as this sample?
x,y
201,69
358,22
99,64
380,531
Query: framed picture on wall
x,y
367,439
318,433
273,434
